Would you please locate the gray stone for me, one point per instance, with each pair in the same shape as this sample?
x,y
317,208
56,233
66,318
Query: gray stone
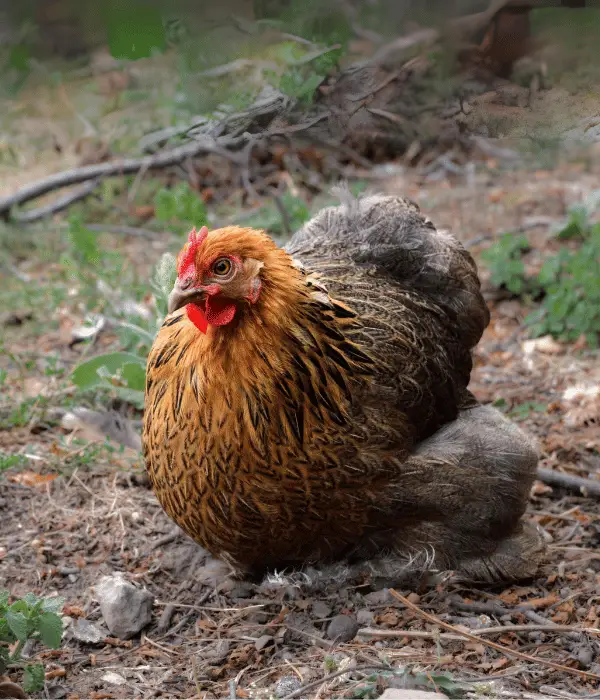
x,y
263,641
87,632
378,597
406,694
125,608
286,685
342,628
365,617
320,609
217,652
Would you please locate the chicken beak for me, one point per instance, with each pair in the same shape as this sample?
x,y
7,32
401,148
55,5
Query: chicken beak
x,y
180,297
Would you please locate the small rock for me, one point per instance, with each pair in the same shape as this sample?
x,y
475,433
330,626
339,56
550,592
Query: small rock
x,y
342,628
478,622
405,694
217,653
113,678
263,641
286,685
585,656
378,597
87,632
126,609
320,609
365,617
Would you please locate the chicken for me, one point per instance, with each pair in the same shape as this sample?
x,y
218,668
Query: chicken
x,y
308,407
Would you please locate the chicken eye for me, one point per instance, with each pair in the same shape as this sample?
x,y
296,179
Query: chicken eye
x,y
222,267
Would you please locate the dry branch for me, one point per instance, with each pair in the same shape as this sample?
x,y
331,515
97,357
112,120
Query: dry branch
x,y
93,172
59,204
581,486
374,633
499,647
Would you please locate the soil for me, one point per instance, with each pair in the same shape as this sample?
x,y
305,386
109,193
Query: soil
x,y
60,535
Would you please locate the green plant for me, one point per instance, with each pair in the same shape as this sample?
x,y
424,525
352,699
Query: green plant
x,y
504,260
279,218
525,409
304,72
568,282
28,618
8,461
571,282
409,678
180,206
124,373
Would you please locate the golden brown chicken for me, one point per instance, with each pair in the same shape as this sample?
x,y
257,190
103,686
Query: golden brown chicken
x,y
309,406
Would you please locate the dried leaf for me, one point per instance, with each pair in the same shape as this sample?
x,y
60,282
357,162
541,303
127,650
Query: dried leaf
x,y
32,479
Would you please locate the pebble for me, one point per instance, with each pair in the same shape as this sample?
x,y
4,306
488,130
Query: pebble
x,y
585,656
378,597
113,678
125,608
320,609
87,632
405,694
286,685
342,628
217,653
365,617
263,641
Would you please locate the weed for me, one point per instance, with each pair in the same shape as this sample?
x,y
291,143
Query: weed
x,y
568,282
524,410
180,207
124,373
9,461
504,260
408,678
291,213
28,618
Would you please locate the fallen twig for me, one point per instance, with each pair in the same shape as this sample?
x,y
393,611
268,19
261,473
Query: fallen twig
x,y
100,170
373,633
59,204
499,647
584,487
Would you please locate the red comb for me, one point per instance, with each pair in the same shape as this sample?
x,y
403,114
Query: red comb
x,y
187,257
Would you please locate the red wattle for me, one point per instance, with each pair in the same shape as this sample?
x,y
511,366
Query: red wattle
x,y
219,310
197,317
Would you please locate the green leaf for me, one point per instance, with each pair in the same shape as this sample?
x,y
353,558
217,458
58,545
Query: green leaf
x,y
165,205
86,376
33,678
54,604
31,599
134,373
4,658
17,623
165,273
50,627
84,243
4,597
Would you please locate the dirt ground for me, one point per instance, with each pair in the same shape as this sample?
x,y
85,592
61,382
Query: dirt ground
x,y
60,535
